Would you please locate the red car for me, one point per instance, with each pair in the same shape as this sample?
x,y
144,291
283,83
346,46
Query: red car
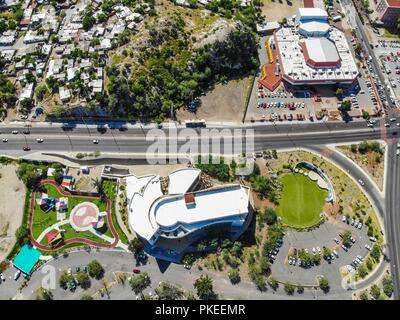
x,y
136,271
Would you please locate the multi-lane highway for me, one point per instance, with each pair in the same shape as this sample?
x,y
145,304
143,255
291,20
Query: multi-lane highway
x,y
136,140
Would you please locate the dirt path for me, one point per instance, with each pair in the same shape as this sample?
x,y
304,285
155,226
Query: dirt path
x,y
12,194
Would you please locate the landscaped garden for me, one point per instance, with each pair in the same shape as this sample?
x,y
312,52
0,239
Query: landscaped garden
x,y
301,201
90,223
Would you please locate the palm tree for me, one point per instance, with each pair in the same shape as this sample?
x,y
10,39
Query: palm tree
x,y
97,183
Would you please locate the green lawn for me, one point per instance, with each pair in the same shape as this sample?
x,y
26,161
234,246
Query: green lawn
x,y
301,202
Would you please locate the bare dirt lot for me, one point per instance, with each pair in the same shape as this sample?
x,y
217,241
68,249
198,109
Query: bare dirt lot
x,y
276,10
11,207
226,102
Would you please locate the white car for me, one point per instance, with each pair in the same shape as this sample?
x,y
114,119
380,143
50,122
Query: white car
x,y
69,271
373,239
17,274
39,140
392,119
336,240
314,250
2,277
361,182
398,152
14,132
95,141
5,140
319,249
335,253
387,124
344,219
368,247
370,125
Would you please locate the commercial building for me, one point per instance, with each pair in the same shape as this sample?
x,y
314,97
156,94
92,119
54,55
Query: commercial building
x,y
170,222
388,11
313,52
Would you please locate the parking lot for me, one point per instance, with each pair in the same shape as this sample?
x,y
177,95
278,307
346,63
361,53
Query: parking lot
x,y
287,267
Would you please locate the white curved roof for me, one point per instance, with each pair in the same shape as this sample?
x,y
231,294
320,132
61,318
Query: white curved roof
x,y
181,180
314,26
142,192
217,203
321,50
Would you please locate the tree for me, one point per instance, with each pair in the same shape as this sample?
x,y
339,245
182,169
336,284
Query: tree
x,y
95,269
64,279
21,234
83,279
364,295
140,282
270,216
86,296
97,183
375,291
289,288
376,252
273,283
324,284
237,248
26,105
43,294
88,22
326,252
366,115
362,271
346,238
135,245
168,291
387,283
234,276
41,91
345,106
204,287
339,91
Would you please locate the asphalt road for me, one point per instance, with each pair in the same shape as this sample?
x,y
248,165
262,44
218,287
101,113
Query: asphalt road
x,y
137,141
392,222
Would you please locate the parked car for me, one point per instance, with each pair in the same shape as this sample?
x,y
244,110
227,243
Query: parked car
x,y
345,248
368,247
2,277
14,132
17,274
336,240
5,140
373,239
136,270
335,253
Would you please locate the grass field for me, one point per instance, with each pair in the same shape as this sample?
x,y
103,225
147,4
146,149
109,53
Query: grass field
x,y
301,202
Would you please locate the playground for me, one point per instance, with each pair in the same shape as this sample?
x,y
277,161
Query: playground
x,y
58,218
